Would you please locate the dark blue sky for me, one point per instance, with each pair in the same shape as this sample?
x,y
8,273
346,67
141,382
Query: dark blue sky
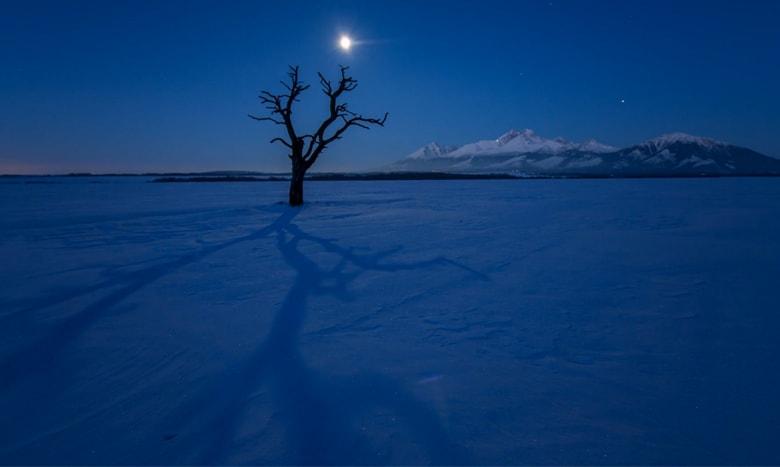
x,y
105,86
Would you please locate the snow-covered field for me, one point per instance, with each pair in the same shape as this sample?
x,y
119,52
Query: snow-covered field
x,y
449,322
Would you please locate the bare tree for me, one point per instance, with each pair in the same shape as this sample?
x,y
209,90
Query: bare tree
x,y
305,149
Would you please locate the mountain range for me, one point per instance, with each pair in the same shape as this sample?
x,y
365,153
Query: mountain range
x,y
524,152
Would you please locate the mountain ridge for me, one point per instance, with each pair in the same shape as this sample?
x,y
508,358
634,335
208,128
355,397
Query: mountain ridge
x,y
524,151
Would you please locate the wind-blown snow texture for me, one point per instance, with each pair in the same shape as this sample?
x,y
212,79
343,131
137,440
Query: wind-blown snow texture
x,y
478,322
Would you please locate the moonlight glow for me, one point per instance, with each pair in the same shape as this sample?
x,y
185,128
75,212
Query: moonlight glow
x,y
345,42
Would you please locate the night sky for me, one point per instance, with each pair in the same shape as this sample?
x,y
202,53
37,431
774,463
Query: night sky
x,y
136,86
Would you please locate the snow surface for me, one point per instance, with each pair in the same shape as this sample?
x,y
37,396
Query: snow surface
x,y
468,322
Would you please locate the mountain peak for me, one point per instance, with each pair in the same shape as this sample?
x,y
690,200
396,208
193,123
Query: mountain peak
x,y
527,135
595,147
431,150
667,140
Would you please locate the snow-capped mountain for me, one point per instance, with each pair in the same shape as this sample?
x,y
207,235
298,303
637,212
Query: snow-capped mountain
x,y
682,154
525,151
430,151
526,141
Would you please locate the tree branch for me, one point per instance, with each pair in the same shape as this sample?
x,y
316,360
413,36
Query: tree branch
x,y
281,140
270,119
281,104
337,111
314,143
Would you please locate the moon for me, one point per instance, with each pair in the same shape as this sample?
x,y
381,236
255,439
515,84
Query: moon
x,y
345,42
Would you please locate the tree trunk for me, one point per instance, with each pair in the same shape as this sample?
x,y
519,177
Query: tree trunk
x,y
296,184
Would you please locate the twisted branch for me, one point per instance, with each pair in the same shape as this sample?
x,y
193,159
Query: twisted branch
x,y
280,107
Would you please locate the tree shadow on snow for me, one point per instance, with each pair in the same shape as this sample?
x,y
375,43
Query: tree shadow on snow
x,y
41,360
320,413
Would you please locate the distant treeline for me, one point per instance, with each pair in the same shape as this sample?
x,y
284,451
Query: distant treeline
x,y
345,177
410,176
228,178
174,178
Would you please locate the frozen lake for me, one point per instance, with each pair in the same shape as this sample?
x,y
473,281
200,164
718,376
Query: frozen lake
x,y
444,322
